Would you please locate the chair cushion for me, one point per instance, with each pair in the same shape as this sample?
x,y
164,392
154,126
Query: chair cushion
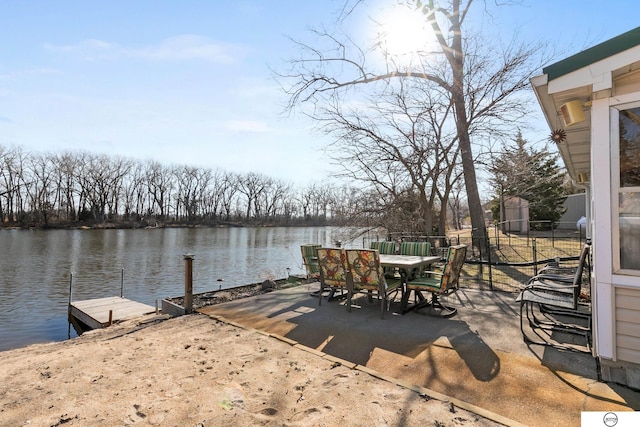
x,y
415,248
388,248
431,284
392,284
332,262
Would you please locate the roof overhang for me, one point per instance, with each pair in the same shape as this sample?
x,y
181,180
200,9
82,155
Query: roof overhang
x,y
584,77
576,148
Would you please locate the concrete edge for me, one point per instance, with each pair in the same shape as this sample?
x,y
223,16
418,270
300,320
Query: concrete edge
x,y
418,389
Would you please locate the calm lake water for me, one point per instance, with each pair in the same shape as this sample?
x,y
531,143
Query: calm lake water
x,y
36,266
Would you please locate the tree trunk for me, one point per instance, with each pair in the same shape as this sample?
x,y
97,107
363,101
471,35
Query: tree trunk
x,y
456,59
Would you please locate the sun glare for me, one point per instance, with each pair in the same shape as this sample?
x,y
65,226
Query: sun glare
x,y
404,32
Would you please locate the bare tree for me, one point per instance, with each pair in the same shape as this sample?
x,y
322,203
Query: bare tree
x,y
480,82
186,196
227,188
40,188
134,191
10,175
274,196
159,185
64,165
398,142
252,185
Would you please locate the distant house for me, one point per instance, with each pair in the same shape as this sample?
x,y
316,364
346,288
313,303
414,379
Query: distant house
x,y
575,207
591,101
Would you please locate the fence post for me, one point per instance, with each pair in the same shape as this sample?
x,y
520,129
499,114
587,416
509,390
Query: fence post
x,y
535,256
489,261
480,253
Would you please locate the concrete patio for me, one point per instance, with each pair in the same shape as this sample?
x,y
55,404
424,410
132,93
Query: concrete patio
x,y
478,356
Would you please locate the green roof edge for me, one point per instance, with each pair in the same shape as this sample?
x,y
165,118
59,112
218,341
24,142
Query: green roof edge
x,y
593,54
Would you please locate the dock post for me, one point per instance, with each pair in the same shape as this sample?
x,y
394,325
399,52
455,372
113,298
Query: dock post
x,y
69,306
188,283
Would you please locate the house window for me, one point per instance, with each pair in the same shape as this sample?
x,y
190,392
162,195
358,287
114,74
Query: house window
x,y
629,189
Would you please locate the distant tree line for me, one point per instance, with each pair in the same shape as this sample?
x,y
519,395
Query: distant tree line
x,y
76,188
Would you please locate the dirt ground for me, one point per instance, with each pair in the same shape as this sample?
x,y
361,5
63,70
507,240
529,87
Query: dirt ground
x,y
197,371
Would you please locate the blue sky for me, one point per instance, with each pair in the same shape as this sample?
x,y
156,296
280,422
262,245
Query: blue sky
x,y
190,82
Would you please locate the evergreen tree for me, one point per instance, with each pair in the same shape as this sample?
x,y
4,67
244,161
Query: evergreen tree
x,y
535,175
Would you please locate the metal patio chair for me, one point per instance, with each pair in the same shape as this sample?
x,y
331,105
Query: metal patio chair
x,y
332,263
310,260
416,249
366,274
551,303
438,283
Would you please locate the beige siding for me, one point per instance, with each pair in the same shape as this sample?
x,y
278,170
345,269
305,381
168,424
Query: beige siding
x,y
628,324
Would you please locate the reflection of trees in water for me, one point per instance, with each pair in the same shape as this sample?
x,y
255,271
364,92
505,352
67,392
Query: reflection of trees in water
x,y
629,201
630,147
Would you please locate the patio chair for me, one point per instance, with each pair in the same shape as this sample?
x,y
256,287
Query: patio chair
x,y
438,283
555,268
310,260
388,248
366,274
556,299
332,263
416,249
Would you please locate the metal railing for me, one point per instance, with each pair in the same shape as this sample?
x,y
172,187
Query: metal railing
x,y
505,261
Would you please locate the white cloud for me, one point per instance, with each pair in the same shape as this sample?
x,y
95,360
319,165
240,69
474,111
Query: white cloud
x,y
182,47
89,49
190,47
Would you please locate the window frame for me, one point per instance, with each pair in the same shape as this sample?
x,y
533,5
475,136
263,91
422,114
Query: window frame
x,y
617,190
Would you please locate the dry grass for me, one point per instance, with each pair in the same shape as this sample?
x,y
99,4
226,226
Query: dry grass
x,y
512,257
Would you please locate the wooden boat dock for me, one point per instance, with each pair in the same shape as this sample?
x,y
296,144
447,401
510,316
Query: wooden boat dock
x,y
102,312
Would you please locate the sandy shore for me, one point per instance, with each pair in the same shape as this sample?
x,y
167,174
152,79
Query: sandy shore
x,y
197,371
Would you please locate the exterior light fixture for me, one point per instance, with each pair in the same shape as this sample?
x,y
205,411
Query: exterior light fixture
x,y
572,112
583,178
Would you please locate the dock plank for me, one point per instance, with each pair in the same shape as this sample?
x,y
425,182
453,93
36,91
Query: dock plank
x,y
95,312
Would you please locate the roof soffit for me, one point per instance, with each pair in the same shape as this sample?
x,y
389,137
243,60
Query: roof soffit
x,y
582,77
598,75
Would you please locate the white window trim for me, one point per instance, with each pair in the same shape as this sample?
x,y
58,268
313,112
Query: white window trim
x,y
618,272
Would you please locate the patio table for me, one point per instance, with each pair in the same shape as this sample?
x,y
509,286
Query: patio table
x,y
407,264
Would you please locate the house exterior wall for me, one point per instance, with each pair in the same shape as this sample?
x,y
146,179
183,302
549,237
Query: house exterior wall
x,y
616,294
575,205
606,79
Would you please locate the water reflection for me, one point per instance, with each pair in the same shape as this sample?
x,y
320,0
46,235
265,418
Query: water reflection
x,y
36,266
